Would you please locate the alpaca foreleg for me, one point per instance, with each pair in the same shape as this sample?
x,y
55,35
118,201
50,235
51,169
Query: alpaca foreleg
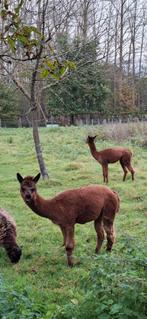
x,y
105,173
69,244
103,168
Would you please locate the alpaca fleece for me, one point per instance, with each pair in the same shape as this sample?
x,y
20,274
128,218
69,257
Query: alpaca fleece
x,y
8,236
95,203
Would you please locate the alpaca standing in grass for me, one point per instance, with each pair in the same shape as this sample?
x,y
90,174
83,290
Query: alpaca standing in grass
x,y
111,155
8,236
82,205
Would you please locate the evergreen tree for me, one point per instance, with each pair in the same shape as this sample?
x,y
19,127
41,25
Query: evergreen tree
x,y
9,109
84,90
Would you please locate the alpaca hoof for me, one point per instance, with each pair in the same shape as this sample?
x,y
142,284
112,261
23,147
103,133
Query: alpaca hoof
x,y
77,263
109,250
70,262
97,251
70,265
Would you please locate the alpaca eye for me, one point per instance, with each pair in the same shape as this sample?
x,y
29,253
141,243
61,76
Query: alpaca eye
x,y
22,189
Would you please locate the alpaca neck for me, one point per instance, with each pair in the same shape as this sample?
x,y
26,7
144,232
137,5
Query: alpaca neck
x,y
93,150
42,207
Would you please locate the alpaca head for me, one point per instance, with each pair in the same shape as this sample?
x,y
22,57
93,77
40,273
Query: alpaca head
x,y
14,253
90,139
28,187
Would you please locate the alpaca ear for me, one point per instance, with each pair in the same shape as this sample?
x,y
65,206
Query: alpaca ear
x,y
36,178
19,177
94,136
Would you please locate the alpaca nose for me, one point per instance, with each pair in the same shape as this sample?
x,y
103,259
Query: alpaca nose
x,y
28,196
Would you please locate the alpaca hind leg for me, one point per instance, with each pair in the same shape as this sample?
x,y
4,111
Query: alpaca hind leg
x,y
100,233
63,229
69,244
130,168
124,169
110,232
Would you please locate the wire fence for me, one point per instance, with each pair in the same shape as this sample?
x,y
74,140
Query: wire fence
x,y
76,119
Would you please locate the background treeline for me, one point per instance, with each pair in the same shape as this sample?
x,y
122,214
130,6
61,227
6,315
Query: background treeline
x,y
106,42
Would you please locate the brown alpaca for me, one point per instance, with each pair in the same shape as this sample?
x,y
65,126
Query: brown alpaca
x,y
81,205
111,155
8,236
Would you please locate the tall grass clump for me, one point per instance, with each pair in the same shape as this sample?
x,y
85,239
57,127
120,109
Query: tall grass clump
x,y
10,140
132,132
16,304
115,288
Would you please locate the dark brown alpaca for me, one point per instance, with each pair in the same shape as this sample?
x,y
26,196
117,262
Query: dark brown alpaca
x,y
81,205
111,155
8,236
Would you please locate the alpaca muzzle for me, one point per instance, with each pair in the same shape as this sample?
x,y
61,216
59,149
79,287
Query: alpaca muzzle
x,y
14,254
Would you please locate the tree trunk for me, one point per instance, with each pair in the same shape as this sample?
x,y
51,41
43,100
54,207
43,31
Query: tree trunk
x,y
134,52
108,33
34,105
36,137
140,59
38,148
115,63
121,41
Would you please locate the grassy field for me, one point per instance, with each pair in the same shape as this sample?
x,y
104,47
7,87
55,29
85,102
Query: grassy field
x,y
104,286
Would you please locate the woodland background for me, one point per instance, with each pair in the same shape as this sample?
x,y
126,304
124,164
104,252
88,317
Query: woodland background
x,y
105,42
73,62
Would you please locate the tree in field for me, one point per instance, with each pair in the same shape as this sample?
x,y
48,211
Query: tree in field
x,y
26,45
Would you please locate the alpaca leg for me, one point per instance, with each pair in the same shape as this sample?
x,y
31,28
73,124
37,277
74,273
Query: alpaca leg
x,y
109,229
69,244
130,168
100,233
63,229
105,173
103,168
124,169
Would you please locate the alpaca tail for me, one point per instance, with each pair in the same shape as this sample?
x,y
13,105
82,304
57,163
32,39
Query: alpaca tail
x,y
118,201
132,154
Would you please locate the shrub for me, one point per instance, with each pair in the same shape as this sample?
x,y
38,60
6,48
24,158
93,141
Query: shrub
x,y
10,140
18,304
114,289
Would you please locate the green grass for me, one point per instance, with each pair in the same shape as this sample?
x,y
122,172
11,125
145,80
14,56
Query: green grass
x,y
41,285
